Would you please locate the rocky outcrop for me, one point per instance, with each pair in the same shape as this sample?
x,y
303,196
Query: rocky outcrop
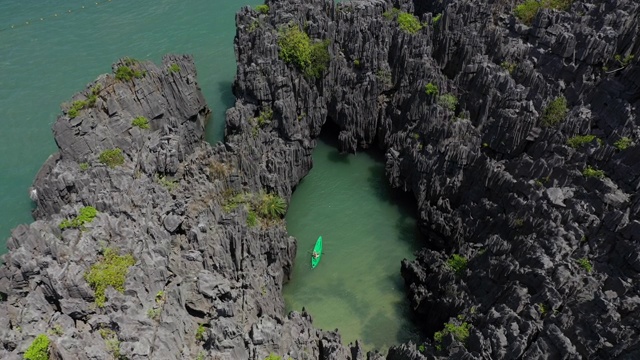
x,y
547,260
206,282
549,244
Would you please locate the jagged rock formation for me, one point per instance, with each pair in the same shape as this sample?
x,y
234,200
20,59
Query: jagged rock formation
x,y
204,283
552,253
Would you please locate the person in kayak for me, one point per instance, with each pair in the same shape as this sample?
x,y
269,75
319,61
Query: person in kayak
x,y
315,255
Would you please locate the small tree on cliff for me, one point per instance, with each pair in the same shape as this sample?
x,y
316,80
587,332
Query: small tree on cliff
x,y
297,48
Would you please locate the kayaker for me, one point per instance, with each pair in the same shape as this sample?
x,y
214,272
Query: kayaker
x,y
315,255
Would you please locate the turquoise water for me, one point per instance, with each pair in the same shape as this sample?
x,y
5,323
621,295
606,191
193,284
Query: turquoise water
x,y
357,286
44,62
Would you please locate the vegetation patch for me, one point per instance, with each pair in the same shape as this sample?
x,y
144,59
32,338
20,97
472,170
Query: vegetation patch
x,y
436,18
154,313
127,72
555,112
407,22
112,157
167,183
141,122
319,59
623,143
431,89
384,76
585,264
458,264
448,101
264,206
112,342
252,218
85,215
273,356
527,11
174,68
78,105
297,48
592,172
624,62
271,206
509,66
201,332
542,309
459,332
56,330
232,201
265,117
111,270
218,170
39,348
580,140
263,9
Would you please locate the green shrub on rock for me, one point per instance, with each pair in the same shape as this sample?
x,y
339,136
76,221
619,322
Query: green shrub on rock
x,y
555,112
527,11
448,101
458,264
459,332
39,348
201,332
585,264
112,157
272,206
174,68
580,140
623,143
319,59
76,106
431,89
297,48
125,73
264,9
110,271
409,23
592,172
141,122
85,215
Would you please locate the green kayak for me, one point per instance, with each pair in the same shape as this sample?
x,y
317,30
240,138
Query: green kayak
x,y
317,253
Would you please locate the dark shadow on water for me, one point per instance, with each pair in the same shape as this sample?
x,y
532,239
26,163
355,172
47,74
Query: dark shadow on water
x,y
329,135
335,157
215,126
226,93
408,232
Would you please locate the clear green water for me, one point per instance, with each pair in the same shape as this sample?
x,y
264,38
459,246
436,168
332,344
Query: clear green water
x,y
357,286
44,62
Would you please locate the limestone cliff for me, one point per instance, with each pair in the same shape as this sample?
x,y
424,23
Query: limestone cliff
x,y
470,109
206,280
538,206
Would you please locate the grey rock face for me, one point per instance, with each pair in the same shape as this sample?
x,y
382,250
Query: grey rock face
x,y
204,283
493,182
552,250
